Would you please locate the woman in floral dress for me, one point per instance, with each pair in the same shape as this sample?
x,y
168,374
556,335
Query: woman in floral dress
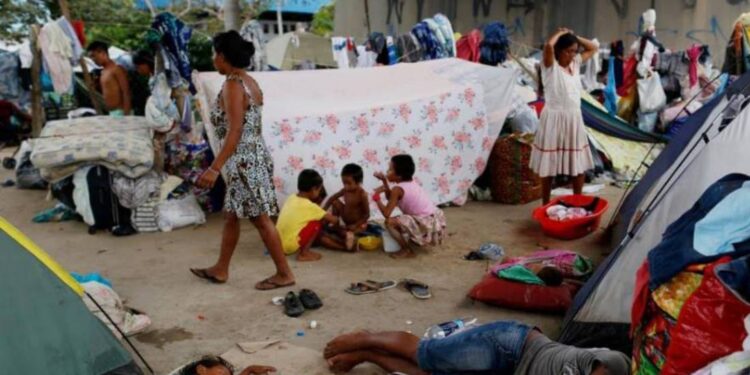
x,y
245,161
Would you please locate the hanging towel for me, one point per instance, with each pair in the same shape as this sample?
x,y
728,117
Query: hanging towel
x,y
468,46
57,52
173,35
431,48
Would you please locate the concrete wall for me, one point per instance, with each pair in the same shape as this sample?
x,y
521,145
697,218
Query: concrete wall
x,y
679,22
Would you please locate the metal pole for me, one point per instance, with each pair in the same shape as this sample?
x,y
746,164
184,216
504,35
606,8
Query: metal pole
x,y
279,20
84,67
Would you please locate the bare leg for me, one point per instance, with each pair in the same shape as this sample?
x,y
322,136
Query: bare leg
x,y
546,189
307,255
229,238
400,344
271,239
331,243
578,182
344,363
394,228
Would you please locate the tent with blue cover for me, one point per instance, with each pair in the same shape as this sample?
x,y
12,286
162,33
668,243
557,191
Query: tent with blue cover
x,y
713,144
595,116
46,327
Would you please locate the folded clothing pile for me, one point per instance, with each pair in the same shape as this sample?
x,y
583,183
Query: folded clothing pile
x,y
562,213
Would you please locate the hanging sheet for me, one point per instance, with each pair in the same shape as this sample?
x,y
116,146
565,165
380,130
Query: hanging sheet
x,y
445,113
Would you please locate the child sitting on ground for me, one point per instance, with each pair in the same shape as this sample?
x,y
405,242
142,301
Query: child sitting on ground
x,y
301,219
422,222
354,210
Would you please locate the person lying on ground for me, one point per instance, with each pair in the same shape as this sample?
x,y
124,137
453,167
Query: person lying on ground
x,y
211,365
503,347
353,210
114,80
300,223
421,222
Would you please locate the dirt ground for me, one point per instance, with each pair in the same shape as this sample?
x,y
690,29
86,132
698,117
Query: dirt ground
x,y
192,318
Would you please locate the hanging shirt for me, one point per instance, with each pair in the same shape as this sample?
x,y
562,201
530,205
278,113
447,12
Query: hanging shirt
x,y
340,52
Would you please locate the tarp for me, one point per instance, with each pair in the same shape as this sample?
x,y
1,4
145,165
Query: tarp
x,y
445,113
595,116
46,327
286,51
711,150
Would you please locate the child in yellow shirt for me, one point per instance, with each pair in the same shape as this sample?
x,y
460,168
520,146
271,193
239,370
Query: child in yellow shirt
x,y
301,219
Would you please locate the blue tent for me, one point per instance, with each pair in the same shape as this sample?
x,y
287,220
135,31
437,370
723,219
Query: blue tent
x,y
705,149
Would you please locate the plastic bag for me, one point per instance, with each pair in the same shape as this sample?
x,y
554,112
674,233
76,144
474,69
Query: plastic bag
x,y
647,121
525,121
651,96
27,175
178,213
710,326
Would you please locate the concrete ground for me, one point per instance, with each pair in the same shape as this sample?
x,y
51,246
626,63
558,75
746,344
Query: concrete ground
x,y
192,318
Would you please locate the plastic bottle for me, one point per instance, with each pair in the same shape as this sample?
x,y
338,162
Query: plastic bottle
x,y
446,329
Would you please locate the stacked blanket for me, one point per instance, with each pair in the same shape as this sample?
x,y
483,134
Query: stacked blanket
x,y
120,144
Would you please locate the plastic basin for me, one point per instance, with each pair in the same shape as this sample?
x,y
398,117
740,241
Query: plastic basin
x,y
574,228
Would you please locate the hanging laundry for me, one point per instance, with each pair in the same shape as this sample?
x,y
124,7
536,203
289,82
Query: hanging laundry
x,y
610,91
617,49
252,31
441,38
79,28
161,111
447,29
408,48
428,42
366,59
10,84
493,50
377,44
340,50
591,69
391,49
75,44
468,46
173,35
57,53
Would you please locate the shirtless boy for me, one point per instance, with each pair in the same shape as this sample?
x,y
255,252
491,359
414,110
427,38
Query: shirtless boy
x,y
113,81
354,210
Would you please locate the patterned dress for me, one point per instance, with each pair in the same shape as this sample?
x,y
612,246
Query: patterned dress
x,y
249,171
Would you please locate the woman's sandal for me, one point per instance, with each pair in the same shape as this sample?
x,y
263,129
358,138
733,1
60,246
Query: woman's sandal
x,y
418,289
203,274
369,287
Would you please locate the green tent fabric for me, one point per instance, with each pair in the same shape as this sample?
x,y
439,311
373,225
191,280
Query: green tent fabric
x,y
45,326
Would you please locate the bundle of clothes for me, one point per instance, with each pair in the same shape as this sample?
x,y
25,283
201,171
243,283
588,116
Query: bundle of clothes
x,y
695,288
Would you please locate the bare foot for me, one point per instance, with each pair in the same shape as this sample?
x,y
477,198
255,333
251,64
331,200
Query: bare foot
x,y
308,256
344,363
403,254
350,241
346,343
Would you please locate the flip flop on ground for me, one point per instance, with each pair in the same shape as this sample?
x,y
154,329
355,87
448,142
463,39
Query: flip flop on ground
x,y
369,287
203,274
269,284
418,289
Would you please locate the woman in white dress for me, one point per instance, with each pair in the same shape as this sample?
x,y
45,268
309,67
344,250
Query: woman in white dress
x,y
561,146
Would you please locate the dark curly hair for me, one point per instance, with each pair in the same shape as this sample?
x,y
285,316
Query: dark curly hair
x,y
354,171
236,50
208,362
564,42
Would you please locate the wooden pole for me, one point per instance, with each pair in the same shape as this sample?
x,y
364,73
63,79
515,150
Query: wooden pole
x,y
37,110
65,9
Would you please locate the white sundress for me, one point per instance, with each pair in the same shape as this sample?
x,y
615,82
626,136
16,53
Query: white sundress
x,y
561,145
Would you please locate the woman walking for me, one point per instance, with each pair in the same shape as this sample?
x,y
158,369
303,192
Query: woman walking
x,y
561,145
246,163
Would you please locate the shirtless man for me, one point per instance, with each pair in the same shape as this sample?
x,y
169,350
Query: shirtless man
x,y
113,81
502,347
354,211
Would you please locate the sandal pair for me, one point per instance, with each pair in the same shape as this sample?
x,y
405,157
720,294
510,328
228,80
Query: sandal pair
x,y
418,289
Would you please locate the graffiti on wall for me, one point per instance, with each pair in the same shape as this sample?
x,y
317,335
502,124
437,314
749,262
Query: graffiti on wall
x,y
527,5
484,5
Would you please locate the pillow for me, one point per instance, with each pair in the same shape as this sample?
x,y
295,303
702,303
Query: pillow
x,y
538,298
